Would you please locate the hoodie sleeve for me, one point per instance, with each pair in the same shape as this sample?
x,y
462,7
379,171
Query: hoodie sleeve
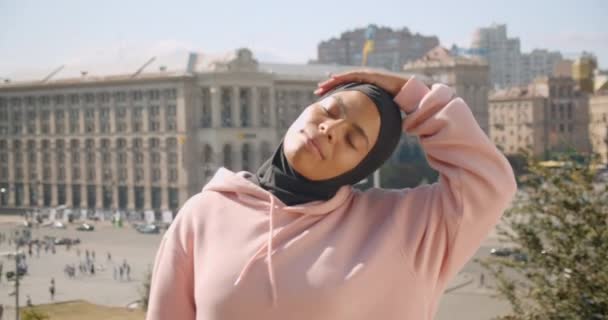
x,y
172,283
445,223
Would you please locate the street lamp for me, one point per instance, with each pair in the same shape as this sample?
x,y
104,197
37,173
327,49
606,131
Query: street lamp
x,y
2,195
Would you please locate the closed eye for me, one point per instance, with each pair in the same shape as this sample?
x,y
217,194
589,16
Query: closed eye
x,y
348,138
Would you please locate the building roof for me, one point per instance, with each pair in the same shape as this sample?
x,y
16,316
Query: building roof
x,y
176,65
526,92
440,56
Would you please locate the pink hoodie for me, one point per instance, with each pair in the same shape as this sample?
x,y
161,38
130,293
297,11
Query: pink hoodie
x,y
235,251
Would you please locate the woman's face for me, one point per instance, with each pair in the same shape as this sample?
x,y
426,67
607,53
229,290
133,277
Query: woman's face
x,y
332,136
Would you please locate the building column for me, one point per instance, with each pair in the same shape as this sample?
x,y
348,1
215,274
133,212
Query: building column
x,y
26,188
54,197
236,110
255,107
147,176
83,193
216,114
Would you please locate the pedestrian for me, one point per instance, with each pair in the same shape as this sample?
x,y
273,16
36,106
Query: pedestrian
x,y
1,311
1,267
28,301
121,271
115,273
397,248
128,272
52,291
93,255
92,269
109,256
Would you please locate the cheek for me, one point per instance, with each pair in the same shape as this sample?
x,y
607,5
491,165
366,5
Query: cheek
x,y
346,159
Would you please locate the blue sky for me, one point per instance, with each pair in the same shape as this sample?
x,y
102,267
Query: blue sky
x,y
47,33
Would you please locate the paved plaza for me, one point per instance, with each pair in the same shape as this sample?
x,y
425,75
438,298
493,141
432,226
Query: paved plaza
x,y
466,298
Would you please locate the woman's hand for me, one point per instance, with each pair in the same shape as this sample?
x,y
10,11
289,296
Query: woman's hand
x,y
390,82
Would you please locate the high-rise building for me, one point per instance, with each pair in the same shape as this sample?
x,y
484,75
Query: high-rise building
x,y
392,48
468,76
538,63
508,65
547,116
502,54
583,71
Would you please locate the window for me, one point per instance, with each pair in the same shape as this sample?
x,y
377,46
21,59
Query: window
x,y
206,116
153,95
228,156
208,154
170,93
173,175
136,95
246,157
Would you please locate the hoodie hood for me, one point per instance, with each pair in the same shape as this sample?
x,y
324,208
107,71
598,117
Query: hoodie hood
x,y
227,181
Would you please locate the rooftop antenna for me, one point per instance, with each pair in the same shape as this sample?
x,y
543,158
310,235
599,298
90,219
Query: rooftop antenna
x,y
47,78
142,67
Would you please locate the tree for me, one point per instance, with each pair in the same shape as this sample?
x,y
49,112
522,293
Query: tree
x,y
558,228
33,314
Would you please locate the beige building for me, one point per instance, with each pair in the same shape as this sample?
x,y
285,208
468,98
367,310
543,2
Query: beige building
x,y
547,116
468,76
147,139
598,124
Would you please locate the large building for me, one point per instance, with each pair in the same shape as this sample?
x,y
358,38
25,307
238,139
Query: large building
x,y
468,76
549,115
598,124
147,139
392,48
503,54
538,63
510,67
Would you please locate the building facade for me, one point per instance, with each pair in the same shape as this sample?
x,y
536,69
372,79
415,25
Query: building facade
x,y
510,67
598,124
503,54
392,48
547,116
538,63
149,140
468,76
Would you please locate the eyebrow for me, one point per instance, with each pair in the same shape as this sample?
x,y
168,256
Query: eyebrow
x,y
358,128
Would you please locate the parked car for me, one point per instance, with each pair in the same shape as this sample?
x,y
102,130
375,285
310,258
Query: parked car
x,y
148,229
66,241
58,225
85,227
515,254
21,270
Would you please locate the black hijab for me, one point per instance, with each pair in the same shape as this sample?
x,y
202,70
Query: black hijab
x,y
280,179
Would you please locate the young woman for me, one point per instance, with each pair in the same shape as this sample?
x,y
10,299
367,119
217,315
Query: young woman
x,y
296,241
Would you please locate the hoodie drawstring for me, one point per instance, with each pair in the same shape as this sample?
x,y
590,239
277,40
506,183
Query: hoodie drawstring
x,y
268,246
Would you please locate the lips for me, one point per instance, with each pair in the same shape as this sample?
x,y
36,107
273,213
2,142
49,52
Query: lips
x,y
313,145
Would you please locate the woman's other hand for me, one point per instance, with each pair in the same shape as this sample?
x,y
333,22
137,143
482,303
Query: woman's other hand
x,y
392,83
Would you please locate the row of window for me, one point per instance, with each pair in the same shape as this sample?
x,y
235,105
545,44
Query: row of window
x,y
102,124
91,174
46,192
89,98
89,144
208,156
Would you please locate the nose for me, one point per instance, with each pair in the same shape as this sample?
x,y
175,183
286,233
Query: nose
x,y
333,128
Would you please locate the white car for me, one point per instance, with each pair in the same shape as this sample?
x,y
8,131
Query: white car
x,y
58,225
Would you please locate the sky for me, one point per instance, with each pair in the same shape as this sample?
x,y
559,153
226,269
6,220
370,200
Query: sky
x,y
44,34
